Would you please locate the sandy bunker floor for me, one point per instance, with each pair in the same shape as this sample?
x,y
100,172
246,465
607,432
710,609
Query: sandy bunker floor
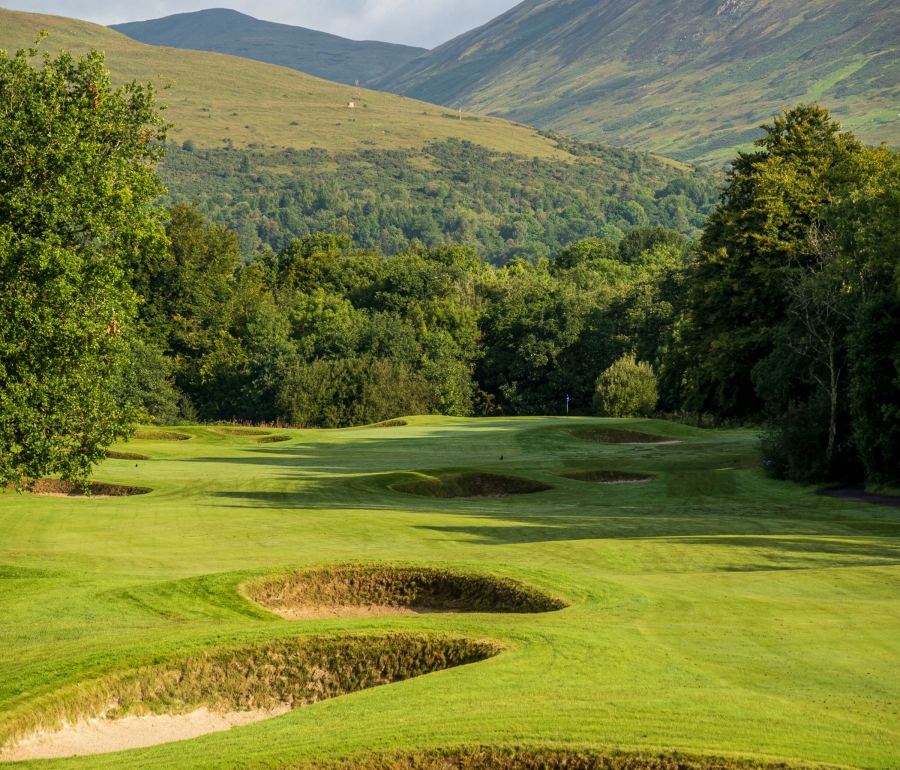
x,y
101,736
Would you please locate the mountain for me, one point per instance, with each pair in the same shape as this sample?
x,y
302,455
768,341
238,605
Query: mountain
x,y
691,79
221,30
217,100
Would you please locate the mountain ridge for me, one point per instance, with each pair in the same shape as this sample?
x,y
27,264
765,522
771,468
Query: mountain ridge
x,y
321,54
622,72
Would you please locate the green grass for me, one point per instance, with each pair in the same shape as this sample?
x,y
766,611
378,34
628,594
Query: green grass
x,y
712,611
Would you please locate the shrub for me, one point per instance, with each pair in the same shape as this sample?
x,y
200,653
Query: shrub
x,y
627,389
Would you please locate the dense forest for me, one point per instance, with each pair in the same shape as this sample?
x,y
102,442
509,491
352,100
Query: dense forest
x,y
784,313
502,206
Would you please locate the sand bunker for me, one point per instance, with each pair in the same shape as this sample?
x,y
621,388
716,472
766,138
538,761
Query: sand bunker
x,y
472,484
161,435
59,488
100,736
615,436
607,477
272,439
220,688
126,456
359,590
389,424
240,431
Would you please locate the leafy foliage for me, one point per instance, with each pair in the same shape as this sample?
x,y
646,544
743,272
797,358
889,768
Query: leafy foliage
x,y
76,183
627,389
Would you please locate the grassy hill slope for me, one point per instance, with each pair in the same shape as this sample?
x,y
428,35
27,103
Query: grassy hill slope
x,y
216,98
222,30
691,79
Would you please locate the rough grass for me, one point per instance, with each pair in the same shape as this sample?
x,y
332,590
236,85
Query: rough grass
x,y
413,587
472,484
617,436
607,477
540,758
160,435
272,439
389,424
95,488
125,456
240,431
288,672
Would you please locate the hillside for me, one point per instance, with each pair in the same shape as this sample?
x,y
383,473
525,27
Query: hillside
x,y
218,100
222,30
690,79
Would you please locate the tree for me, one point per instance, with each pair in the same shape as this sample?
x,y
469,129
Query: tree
x,y
77,181
627,389
739,296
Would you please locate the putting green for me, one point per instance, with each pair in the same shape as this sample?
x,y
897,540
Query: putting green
x,y
712,611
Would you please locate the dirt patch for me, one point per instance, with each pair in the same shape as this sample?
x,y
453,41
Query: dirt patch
x,y
538,758
272,439
240,431
101,736
615,436
269,677
59,488
390,424
858,494
607,477
161,435
471,485
126,456
354,590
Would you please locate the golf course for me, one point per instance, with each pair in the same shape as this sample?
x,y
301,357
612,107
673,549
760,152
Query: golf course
x,y
422,594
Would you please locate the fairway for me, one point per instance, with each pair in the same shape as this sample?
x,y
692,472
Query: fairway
x,y
709,610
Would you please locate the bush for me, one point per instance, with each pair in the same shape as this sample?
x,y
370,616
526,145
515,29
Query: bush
x,y
348,392
145,383
627,389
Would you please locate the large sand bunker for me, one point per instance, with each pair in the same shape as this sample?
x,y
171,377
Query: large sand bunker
x,y
354,590
607,477
219,688
125,456
161,435
616,436
472,484
272,439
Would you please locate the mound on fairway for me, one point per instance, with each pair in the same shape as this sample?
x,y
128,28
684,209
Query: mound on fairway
x,y
472,484
161,435
616,436
240,431
607,477
538,758
350,590
272,439
125,456
59,488
265,679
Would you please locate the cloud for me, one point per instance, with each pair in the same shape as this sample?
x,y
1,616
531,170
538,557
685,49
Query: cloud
x,y
413,22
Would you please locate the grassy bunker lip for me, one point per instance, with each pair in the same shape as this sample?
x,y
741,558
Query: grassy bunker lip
x,y
161,435
539,758
619,436
389,424
98,489
241,431
471,485
607,477
272,439
125,456
360,589
269,677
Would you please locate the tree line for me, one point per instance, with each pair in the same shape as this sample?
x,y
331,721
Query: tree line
x,y
784,313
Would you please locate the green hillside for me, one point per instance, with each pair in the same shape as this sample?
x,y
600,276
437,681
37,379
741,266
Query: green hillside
x,y
691,79
222,30
216,98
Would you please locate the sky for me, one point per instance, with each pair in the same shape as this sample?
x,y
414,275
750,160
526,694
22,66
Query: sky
x,y
424,23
